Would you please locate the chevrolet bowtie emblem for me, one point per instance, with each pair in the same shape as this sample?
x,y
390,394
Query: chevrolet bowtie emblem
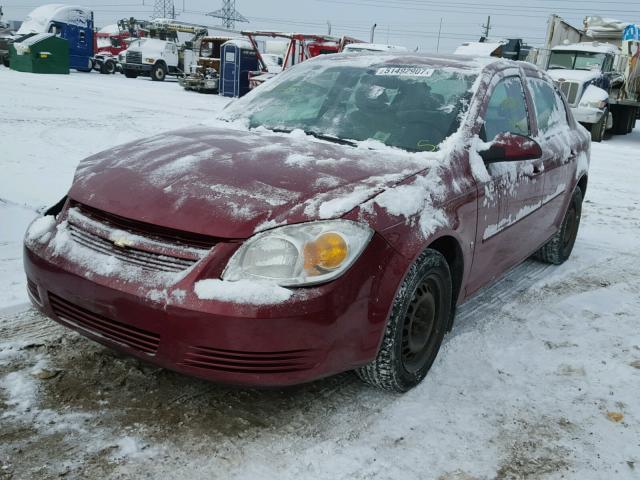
x,y
122,242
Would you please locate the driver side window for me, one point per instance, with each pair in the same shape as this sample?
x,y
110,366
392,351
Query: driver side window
x,y
507,110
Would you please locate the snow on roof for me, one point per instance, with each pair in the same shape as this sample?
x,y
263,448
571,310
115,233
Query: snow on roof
x,y
239,42
482,49
373,47
593,47
27,42
39,18
110,29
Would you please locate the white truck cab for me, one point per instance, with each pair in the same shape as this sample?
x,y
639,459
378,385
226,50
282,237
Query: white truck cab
x,y
157,59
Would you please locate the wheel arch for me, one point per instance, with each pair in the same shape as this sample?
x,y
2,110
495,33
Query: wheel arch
x,y
449,247
582,183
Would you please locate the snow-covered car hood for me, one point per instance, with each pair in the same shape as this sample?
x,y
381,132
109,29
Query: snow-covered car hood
x,y
231,183
581,76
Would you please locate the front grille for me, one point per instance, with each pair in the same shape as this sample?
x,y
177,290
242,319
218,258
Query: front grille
x,y
128,335
32,289
141,258
248,362
570,91
134,57
164,234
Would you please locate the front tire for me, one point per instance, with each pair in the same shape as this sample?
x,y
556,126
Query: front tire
x,y
417,324
558,249
158,73
598,129
108,67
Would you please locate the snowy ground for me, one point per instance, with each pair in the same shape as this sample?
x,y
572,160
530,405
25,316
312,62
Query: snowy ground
x,y
540,377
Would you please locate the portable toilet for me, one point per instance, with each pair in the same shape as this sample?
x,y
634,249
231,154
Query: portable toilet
x,y
71,22
40,53
238,58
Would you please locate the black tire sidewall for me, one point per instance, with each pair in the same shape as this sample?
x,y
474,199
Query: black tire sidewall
x,y
575,203
433,264
158,73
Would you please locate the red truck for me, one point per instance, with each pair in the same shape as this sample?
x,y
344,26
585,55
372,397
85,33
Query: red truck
x,y
109,42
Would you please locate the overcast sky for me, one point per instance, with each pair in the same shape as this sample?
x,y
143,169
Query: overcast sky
x,y
412,23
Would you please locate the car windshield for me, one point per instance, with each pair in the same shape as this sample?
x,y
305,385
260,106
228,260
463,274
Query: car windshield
x,y
406,106
576,60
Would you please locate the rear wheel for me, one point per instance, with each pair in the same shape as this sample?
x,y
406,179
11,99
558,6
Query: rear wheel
x,y
158,72
598,129
130,73
632,119
558,249
416,326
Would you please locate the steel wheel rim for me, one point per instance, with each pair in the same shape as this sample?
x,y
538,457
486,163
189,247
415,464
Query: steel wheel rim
x,y
420,325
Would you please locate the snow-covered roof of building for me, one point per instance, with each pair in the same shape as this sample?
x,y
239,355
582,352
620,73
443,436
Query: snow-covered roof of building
x,y
481,49
38,20
593,47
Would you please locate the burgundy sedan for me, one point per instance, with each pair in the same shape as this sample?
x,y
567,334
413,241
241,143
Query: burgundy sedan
x,y
331,220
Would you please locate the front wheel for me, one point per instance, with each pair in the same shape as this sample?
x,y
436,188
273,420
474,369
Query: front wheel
x,y
158,73
108,67
598,129
416,326
558,249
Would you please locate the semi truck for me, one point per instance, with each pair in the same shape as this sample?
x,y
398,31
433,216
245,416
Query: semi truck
x,y
71,22
598,70
164,51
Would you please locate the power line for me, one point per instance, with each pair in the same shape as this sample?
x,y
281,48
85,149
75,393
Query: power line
x,y
228,14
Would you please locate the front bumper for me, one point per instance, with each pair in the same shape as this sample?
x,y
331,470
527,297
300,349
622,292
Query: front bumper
x,y
138,67
318,332
589,115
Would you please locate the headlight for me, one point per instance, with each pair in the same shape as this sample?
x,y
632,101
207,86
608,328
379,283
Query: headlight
x,y
303,254
149,60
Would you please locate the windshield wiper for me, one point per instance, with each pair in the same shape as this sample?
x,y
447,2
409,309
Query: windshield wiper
x,y
318,135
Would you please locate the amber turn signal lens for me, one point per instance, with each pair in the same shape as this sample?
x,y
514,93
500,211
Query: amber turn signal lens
x,y
327,252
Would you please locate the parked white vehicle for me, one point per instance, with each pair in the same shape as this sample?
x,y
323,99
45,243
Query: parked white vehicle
x,y
157,59
597,69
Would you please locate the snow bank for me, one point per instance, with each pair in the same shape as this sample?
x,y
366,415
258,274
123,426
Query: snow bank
x,y
242,291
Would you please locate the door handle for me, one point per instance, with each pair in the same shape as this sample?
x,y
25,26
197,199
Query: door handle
x,y
537,170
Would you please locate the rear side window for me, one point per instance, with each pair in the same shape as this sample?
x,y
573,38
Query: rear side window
x,y
507,109
548,105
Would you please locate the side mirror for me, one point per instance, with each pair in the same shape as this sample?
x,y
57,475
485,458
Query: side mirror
x,y
511,147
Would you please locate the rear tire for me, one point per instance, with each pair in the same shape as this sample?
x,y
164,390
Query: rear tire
x,y
130,73
158,72
417,324
598,129
558,249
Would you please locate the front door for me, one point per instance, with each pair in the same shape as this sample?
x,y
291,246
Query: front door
x,y
510,198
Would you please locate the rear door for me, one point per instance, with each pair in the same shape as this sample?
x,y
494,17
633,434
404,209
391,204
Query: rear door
x,y
558,150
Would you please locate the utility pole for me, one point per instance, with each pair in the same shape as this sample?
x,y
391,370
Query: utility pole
x,y
487,27
439,32
164,9
328,27
228,14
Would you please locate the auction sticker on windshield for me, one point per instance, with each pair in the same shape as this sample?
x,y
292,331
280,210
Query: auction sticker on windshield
x,y
405,71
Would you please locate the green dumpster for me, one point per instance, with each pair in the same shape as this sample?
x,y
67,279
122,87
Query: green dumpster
x,y
40,53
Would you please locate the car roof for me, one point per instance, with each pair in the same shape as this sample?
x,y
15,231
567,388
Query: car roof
x,y
464,62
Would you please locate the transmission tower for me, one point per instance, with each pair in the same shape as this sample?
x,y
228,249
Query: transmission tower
x,y
228,14
164,9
